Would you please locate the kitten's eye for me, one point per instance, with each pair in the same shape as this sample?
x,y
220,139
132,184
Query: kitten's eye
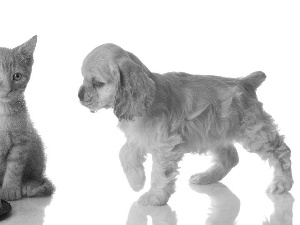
x,y
98,83
17,76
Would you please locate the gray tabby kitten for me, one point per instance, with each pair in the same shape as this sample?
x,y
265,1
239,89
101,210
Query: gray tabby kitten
x,y
22,159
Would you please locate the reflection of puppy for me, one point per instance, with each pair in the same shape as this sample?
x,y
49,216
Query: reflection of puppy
x,y
160,215
225,205
283,209
176,113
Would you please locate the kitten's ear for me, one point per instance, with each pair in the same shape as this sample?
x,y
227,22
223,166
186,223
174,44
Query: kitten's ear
x,y
25,51
28,47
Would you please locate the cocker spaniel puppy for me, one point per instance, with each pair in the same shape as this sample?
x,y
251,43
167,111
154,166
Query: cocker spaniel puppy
x,y
175,113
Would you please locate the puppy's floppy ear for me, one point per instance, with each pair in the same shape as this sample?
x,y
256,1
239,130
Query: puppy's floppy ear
x,y
134,92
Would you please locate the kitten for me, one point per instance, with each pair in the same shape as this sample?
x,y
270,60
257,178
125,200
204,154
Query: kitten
x,y
22,159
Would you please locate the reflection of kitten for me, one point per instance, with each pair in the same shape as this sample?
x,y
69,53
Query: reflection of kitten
x,y
22,159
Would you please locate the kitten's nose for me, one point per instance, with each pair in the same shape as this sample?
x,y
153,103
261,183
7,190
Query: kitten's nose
x,y
81,94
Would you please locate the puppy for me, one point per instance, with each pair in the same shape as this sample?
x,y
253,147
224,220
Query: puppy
x,y
175,113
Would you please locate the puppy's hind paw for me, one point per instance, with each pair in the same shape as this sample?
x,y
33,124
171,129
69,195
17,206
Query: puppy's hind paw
x,y
280,185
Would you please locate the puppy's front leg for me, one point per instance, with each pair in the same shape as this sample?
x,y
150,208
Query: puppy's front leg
x,y
163,176
132,159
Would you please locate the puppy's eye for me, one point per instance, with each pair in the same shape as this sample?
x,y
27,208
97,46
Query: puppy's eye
x,y
98,83
17,76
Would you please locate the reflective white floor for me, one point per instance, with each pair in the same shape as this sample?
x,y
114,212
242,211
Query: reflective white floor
x,y
213,204
109,200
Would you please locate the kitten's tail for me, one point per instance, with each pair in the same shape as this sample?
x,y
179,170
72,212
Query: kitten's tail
x,y
254,80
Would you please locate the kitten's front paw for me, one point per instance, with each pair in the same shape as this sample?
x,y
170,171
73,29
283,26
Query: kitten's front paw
x,y
136,178
31,189
10,194
280,185
152,198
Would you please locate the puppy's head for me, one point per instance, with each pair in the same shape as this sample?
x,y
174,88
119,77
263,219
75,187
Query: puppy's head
x,y
114,78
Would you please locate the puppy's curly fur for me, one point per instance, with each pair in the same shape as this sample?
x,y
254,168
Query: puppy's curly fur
x,y
175,113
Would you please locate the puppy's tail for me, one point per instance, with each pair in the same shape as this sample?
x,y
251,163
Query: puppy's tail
x,y
253,80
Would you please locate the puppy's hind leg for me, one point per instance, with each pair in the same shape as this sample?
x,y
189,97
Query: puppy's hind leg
x,y
260,135
132,159
224,159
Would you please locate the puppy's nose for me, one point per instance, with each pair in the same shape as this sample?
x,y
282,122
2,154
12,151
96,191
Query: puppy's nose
x,y
81,94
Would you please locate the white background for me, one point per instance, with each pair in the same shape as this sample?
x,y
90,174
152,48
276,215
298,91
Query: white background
x,y
227,38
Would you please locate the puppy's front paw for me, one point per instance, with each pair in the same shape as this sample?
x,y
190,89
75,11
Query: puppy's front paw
x,y
136,178
203,178
152,198
280,185
10,193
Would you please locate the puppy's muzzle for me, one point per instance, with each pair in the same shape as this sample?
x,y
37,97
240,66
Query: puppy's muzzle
x,y
81,94
84,98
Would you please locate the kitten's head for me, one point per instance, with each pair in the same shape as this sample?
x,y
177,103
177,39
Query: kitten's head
x,y
15,69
